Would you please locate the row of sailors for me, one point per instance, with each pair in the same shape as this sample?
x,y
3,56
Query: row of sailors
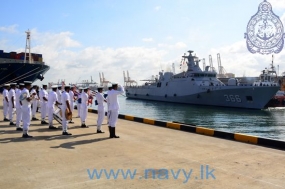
x,y
64,99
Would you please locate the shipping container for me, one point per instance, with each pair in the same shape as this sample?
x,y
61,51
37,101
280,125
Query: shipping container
x,y
35,58
13,56
40,59
6,55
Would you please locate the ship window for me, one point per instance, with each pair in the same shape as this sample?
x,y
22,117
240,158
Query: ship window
x,y
249,98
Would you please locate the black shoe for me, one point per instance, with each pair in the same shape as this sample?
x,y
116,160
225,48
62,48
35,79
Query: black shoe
x,y
70,122
52,127
99,131
19,129
44,122
11,123
27,136
84,126
66,133
5,119
114,133
35,119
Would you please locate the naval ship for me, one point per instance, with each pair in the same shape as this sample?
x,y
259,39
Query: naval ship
x,y
19,67
198,87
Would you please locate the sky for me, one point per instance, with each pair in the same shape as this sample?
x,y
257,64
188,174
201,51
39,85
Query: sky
x,y
80,39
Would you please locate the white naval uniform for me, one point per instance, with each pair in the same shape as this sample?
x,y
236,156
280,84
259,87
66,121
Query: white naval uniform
x,y
101,112
5,103
79,105
52,98
71,95
114,106
108,111
11,103
34,102
26,111
59,93
43,93
18,108
84,108
65,97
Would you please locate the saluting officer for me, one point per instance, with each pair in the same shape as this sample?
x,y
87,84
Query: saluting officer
x,y
101,112
114,108
84,108
43,99
65,107
19,107
6,101
34,102
11,97
52,101
26,108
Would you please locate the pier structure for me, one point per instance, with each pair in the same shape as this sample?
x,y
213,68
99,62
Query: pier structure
x,y
160,156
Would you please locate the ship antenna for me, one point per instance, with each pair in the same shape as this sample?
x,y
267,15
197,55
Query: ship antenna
x,y
28,47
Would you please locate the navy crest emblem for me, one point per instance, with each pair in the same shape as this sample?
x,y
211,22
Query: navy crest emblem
x,y
265,31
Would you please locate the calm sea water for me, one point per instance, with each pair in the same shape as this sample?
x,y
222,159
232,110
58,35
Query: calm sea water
x,y
263,123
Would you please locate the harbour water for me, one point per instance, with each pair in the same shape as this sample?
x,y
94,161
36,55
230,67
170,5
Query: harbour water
x,y
268,123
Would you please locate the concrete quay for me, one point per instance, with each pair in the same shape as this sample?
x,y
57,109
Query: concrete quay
x,y
161,157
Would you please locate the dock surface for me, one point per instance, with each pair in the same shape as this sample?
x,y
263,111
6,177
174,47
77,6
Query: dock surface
x,y
159,157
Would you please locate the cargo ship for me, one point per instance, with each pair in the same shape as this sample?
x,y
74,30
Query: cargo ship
x,y
19,67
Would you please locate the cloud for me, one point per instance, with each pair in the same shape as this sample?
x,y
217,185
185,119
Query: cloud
x,y
178,45
9,29
70,61
147,40
237,59
169,38
157,8
277,4
60,40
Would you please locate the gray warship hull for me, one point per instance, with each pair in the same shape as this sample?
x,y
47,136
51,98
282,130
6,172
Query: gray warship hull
x,y
224,96
198,87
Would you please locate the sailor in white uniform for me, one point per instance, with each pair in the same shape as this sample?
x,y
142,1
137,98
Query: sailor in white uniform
x,y
26,98
34,102
59,93
65,107
6,102
44,100
71,95
12,98
19,107
101,111
114,108
84,108
52,101
108,112
79,102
